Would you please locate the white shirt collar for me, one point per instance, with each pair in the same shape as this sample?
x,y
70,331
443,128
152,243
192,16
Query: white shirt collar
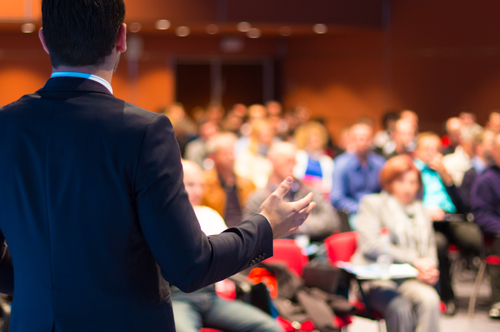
x,y
84,75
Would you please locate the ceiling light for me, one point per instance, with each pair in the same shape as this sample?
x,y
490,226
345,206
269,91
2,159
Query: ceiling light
x,y
320,28
135,27
212,29
183,31
254,33
244,26
162,24
28,27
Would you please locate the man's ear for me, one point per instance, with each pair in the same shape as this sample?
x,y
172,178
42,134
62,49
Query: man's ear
x,y
42,40
121,43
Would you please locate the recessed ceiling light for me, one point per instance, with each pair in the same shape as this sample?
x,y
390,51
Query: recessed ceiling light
x,y
244,26
162,24
212,29
320,28
135,27
28,27
285,31
254,33
183,31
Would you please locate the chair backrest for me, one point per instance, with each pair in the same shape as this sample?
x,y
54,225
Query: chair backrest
x,y
341,247
286,251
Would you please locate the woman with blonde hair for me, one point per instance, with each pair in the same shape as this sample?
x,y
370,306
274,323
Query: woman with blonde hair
x,y
314,167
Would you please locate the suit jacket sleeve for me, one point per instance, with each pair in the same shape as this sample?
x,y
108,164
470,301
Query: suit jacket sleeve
x,y
187,258
6,268
484,203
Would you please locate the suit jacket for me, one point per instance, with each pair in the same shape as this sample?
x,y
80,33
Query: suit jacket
x,y
411,238
94,211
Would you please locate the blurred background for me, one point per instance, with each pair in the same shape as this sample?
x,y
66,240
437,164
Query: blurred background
x,y
341,59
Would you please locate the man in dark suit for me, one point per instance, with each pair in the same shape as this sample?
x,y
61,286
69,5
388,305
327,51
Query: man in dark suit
x,y
92,202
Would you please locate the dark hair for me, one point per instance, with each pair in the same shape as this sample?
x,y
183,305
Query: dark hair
x,y
81,33
389,116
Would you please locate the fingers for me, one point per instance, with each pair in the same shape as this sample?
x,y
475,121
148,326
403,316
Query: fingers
x,y
303,203
284,187
304,214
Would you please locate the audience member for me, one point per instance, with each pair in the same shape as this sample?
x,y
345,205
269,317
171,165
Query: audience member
x,y
196,150
412,304
313,167
252,162
412,117
322,222
402,142
494,121
185,129
356,174
225,192
486,207
442,201
204,308
257,112
453,128
383,137
460,161
482,160
469,122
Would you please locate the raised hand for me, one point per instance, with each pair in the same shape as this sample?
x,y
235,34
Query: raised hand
x,y
286,217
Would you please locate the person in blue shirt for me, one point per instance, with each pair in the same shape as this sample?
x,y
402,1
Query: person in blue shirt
x,y
356,173
445,207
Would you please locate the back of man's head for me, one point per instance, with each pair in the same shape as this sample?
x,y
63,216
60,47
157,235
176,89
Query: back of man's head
x,y
80,33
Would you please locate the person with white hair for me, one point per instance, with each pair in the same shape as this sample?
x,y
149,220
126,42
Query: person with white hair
x,y
225,192
322,222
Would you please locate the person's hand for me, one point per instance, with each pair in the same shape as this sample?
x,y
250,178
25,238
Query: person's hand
x,y
428,273
437,164
286,217
436,214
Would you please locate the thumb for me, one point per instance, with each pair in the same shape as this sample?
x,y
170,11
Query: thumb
x,y
284,187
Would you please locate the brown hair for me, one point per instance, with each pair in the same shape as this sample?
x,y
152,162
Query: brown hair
x,y
394,168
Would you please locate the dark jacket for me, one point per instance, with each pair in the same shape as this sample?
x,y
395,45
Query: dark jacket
x,y
93,207
486,200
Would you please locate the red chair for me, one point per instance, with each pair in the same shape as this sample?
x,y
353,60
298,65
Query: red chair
x,y
286,251
340,247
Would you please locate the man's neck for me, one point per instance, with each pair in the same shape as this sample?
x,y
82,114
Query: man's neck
x,y
97,71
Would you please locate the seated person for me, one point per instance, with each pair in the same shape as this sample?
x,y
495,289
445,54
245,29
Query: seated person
x,y
252,163
410,304
485,198
204,308
453,128
460,161
403,140
314,166
323,220
356,174
482,146
445,207
224,191
196,150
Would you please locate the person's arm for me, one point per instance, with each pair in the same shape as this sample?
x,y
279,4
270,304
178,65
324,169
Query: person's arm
x,y
465,189
484,205
369,226
187,258
6,268
338,195
451,189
